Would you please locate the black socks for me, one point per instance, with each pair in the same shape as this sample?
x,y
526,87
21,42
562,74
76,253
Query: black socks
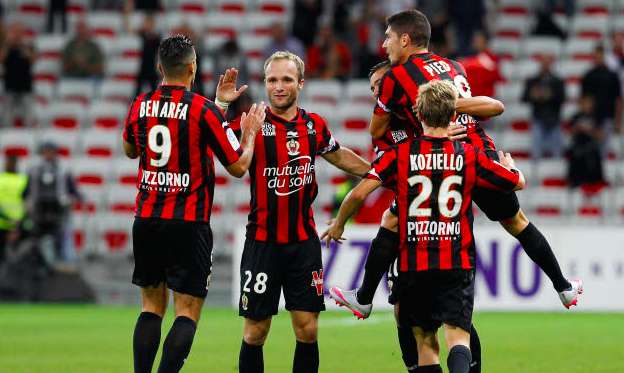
x,y
409,352
306,358
177,345
538,249
458,360
429,369
250,359
475,350
145,341
383,251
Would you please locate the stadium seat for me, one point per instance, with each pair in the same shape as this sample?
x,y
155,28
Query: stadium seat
x,y
62,115
612,172
50,46
44,91
212,42
127,46
125,171
67,141
519,144
506,48
323,91
549,202
551,173
226,24
536,46
355,117
98,143
572,70
77,6
593,27
91,172
615,147
107,115
519,70
617,205
114,233
105,24
121,199
81,231
35,7
511,26
46,70
222,177
517,116
589,208
92,201
76,90
232,6
510,92
526,166
358,141
516,7
193,6
274,6
256,68
594,7
327,111
117,91
253,45
580,49
122,69
18,142
262,23
358,91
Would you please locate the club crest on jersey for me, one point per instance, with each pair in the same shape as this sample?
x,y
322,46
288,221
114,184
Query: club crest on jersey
x,y
244,302
292,146
268,129
317,281
311,130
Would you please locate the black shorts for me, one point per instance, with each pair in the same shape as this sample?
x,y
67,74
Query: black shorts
x,y
176,252
496,205
267,268
430,298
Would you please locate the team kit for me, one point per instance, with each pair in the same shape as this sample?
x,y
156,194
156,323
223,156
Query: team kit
x,y
432,152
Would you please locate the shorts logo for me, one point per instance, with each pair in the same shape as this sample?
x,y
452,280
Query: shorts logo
x,y
292,146
317,281
244,302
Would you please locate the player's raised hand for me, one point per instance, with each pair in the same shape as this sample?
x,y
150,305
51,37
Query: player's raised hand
x,y
252,121
334,232
457,131
226,88
506,160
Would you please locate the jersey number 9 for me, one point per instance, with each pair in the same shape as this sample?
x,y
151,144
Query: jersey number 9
x,y
159,142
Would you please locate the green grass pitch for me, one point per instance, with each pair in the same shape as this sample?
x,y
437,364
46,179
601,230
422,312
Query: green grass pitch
x,y
67,339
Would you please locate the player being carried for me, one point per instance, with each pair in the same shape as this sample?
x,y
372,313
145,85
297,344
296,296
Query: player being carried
x,y
282,250
434,179
407,40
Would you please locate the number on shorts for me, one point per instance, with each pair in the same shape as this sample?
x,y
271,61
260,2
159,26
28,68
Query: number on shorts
x,y
259,285
163,147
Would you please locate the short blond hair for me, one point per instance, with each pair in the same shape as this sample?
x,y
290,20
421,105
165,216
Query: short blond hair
x,y
436,102
286,55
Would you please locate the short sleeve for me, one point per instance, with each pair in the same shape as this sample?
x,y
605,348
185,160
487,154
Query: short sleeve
x,y
129,135
387,96
493,175
221,138
325,141
384,168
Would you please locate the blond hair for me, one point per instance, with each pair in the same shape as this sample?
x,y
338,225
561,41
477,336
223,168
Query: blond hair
x,y
286,55
436,103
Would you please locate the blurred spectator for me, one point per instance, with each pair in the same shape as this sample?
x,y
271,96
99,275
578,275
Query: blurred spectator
x,y
467,17
584,155
150,40
368,28
17,56
436,12
305,21
230,55
546,26
57,9
146,5
82,56
108,4
372,210
12,185
603,86
328,58
615,58
281,41
546,94
482,69
568,6
50,193
186,30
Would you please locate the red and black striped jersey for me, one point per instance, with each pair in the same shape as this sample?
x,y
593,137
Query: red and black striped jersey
x,y
398,92
176,133
434,179
283,180
397,133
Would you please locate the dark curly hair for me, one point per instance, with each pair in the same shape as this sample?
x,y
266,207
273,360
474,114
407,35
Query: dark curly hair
x,y
382,65
175,53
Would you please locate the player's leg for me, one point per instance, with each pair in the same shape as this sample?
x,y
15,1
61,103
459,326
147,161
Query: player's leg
x,y
149,274
260,289
458,344
303,293
505,208
305,326
383,251
428,350
189,264
407,342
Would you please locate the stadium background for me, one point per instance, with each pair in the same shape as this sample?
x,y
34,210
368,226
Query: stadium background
x,y
84,116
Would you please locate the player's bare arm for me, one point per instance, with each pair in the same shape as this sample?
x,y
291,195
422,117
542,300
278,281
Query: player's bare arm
x,y
508,162
250,125
130,150
226,91
346,160
379,124
348,208
479,106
